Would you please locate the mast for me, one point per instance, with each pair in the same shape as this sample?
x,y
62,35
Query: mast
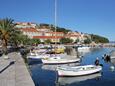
x,y
55,24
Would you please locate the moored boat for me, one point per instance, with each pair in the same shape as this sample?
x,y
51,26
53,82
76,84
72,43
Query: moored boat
x,y
38,56
78,70
84,49
59,60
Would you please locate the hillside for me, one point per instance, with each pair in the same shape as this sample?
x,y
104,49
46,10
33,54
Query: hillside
x,y
52,27
94,37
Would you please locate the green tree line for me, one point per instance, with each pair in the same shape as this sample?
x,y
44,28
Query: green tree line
x,y
99,39
52,27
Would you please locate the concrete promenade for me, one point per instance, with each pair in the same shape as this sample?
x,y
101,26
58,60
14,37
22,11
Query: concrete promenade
x,y
13,71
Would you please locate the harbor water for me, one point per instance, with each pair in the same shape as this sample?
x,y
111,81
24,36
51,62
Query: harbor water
x,y
46,75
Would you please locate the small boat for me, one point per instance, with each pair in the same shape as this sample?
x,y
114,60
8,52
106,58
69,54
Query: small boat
x,y
69,80
38,56
78,70
83,49
59,60
43,55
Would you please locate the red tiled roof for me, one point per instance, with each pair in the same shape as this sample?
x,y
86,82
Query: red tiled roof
x,y
47,37
29,30
56,32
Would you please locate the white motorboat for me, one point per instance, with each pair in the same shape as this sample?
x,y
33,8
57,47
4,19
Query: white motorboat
x,y
59,60
78,70
83,49
44,55
69,80
38,56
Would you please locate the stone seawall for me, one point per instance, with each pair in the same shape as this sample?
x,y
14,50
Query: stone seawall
x,y
13,71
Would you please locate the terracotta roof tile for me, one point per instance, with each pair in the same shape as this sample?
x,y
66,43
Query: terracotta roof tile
x,y
48,37
29,30
56,32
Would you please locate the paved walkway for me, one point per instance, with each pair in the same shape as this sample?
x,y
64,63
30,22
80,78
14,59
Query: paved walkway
x,y
13,71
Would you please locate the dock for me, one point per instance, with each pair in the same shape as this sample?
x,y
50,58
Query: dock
x,y
13,71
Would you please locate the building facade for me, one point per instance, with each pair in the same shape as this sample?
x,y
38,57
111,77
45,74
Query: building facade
x,y
52,36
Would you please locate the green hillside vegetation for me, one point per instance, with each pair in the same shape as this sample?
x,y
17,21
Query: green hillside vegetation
x,y
99,39
52,27
63,30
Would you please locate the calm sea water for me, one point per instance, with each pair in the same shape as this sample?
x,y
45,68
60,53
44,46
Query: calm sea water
x,y
44,75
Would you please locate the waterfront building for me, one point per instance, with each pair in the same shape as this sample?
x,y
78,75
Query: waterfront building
x,y
42,34
42,28
73,35
30,32
53,36
45,32
25,25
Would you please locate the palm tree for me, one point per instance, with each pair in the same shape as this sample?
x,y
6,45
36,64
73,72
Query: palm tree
x,y
48,41
15,36
6,27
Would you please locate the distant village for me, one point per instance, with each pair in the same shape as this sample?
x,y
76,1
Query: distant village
x,y
44,32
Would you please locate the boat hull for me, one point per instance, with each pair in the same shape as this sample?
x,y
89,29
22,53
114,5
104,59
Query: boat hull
x,y
78,73
64,61
38,56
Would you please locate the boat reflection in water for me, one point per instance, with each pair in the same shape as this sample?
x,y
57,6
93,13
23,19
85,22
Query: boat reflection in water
x,y
70,80
54,67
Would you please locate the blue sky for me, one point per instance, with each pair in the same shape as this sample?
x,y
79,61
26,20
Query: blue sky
x,y
88,16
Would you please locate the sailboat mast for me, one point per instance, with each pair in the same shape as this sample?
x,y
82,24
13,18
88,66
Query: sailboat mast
x,y
55,19
55,35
